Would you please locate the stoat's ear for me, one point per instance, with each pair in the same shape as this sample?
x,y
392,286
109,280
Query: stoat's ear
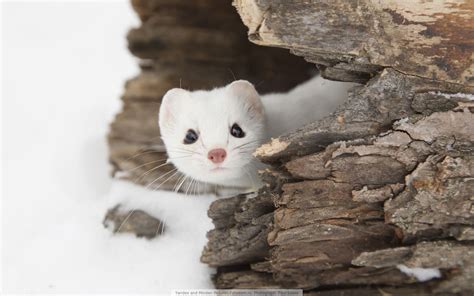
x,y
170,108
246,91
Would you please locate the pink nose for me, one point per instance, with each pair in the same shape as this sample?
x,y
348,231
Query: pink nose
x,y
216,155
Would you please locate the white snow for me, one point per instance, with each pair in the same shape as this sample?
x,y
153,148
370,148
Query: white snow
x,y
469,97
401,121
421,274
64,65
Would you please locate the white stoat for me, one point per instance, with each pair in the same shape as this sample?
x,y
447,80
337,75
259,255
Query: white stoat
x,y
210,135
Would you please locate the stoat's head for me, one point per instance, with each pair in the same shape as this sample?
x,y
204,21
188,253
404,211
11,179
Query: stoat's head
x,y
211,135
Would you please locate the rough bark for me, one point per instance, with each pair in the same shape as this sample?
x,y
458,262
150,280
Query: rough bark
x,y
428,39
370,110
383,182
411,182
137,222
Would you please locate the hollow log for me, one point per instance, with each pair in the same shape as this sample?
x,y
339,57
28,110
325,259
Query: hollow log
x,y
384,185
427,39
354,202
179,45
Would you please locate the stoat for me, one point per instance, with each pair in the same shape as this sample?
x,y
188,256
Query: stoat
x,y
210,135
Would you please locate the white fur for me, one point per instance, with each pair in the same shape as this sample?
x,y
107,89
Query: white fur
x,y
212,113
306,103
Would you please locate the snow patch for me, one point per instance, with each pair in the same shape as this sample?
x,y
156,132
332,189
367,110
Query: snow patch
x,y
56,184
401,121
421,274
469,97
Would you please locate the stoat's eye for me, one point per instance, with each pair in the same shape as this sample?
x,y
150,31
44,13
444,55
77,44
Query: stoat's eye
x,y
191,137
236,131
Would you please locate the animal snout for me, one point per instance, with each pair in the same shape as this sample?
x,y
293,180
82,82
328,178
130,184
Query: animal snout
x,y
217,155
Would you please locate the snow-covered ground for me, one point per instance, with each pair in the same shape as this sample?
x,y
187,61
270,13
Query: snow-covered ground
x,y
63,70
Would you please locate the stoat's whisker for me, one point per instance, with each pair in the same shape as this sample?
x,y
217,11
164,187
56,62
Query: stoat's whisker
x,y
183,151
232,74
149,171
182,182
133,210
162,176
189,185
157,232
196,191
245,144
145,164
167,179
175,148
125,220
158,160
162,226
178,182
142,153
179,148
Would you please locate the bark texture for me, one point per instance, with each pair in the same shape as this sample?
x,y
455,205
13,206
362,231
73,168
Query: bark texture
x,y
352,203
428,39
358,200
137,222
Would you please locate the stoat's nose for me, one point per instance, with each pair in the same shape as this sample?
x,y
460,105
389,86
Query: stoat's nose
x,y
217,155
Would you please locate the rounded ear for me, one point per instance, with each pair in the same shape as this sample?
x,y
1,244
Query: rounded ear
x,y
170,108
246,91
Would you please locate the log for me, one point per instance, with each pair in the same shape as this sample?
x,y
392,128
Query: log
x,y
137,222
369,111
409,183
454,259
384,182
419,38
350,202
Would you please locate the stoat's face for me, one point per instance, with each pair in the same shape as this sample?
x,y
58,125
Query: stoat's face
x,y
210,135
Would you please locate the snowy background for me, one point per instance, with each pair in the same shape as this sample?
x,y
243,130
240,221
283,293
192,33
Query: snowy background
x,y
63,69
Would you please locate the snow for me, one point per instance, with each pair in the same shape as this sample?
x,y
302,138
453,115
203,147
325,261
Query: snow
x,y
64,65
469,97
421,274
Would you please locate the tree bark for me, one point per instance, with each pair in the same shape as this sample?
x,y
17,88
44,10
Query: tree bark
x,y
383,183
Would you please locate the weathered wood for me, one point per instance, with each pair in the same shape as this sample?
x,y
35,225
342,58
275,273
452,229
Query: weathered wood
x,y
438,201
352,197
370,110
428,39
246,279
373,291
137,222
398,151
335,203
242,226
455,260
